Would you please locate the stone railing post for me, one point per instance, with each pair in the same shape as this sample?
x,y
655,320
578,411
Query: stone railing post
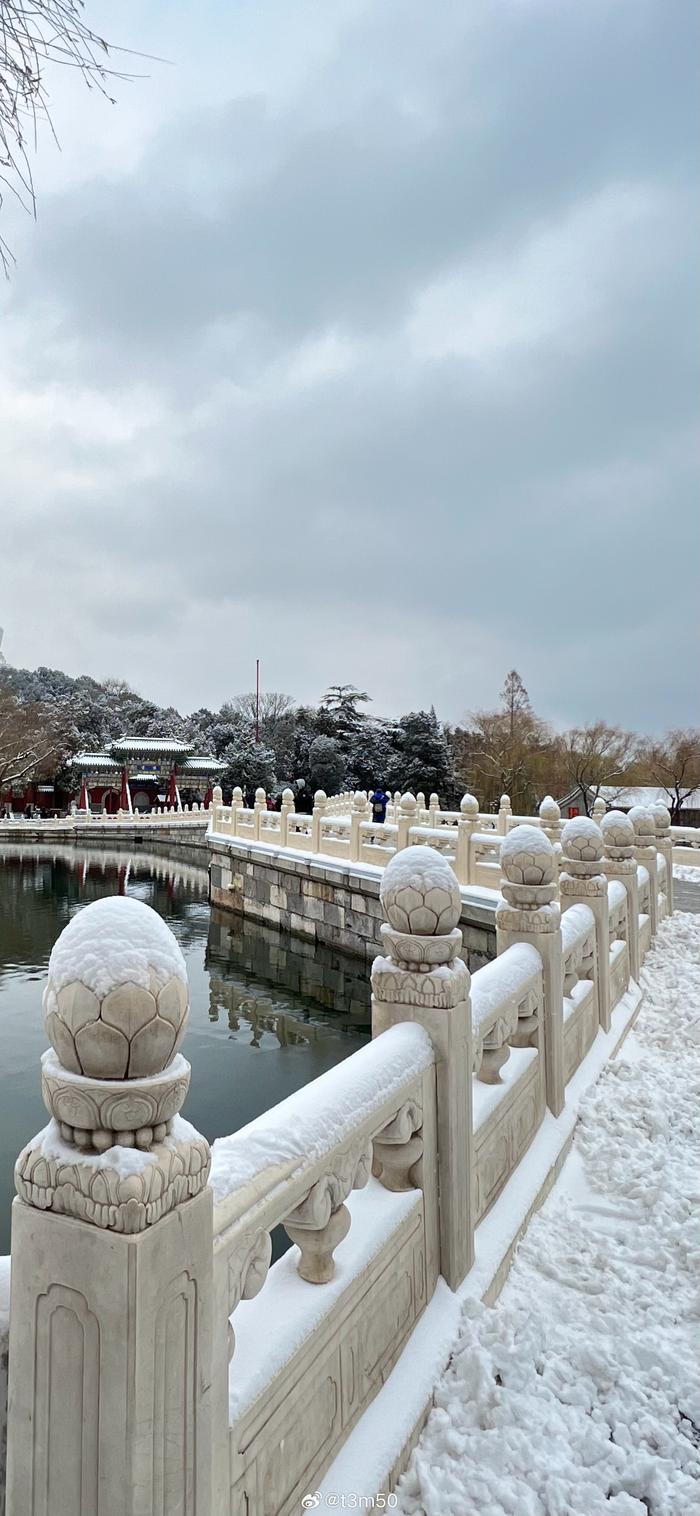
x,y
112,1241
582,880
236,806
433,809
645,853
420,807
406,818
422,979
620,863
599,810
466,826
357,816
215,807
259,807
319,810
550,820
664,845
504,814
528,911
286,809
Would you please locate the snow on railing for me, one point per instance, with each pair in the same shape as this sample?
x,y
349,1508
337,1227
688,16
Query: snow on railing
x,y
343,828
380,1171
298,1166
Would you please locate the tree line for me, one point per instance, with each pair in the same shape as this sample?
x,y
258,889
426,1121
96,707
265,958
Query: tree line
x,y
46,716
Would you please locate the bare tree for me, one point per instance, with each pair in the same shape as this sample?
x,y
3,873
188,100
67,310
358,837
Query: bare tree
x,y
273,706
675,764
29,738
598,755
515,701
35,34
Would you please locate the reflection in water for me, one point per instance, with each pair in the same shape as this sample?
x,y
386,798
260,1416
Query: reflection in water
x,y
269,1012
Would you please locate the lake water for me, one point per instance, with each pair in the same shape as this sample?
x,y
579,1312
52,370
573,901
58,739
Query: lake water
x,y
268,1011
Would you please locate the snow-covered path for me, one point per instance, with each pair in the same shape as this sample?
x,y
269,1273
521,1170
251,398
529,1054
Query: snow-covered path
x,y
578,1393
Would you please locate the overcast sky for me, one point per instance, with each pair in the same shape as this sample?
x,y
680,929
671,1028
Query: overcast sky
x,y
360,337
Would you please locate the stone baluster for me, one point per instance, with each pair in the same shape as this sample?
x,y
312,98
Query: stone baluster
x,y
645,853
619,863
551,822
529,912
110,1358
286,810
423,979
582,879
319,810
320,1222
398,1150
397,804
600,810
236,806
433,809
491,1049
406,819
259,809
504,814
664,845
466,826
215,807
357,816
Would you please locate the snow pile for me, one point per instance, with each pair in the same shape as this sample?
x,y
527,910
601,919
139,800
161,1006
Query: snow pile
x,y
323,1114
116,941
685,871
578,1393
497,983
124,1161
530,839
419,868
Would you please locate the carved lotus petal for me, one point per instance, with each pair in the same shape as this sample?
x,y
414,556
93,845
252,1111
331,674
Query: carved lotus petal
x,y
420,893
582,840
151,1048
61,1039
180,1036
126,1113
157,1184
128,1008
72,1105
78,1005
99,1189
177,1163
130,1188
172,1002
527,856
39,1172
617,829
102,1050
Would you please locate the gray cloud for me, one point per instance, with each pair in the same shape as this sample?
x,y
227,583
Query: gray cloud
x,y
391,380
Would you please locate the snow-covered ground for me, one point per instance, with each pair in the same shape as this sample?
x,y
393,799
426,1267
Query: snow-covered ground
x,y
578,1393
684,871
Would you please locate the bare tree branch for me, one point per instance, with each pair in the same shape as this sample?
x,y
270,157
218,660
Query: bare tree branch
x,y
35,34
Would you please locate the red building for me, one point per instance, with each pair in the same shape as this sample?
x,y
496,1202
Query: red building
x,y
139,773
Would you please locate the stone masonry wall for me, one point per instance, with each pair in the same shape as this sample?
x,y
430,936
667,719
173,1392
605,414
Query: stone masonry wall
x,y
323,902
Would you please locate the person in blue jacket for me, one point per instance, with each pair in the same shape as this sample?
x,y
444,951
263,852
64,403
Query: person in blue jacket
x,y
380,800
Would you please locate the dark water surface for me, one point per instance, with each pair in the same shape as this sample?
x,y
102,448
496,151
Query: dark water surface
x,y
268,1011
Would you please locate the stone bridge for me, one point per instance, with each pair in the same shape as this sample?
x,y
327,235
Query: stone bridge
x,y
158,1365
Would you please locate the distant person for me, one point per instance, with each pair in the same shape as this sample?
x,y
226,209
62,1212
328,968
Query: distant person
x,y
305,802
380,801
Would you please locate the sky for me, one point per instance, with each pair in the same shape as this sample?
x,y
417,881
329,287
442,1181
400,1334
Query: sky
x,y
361,338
